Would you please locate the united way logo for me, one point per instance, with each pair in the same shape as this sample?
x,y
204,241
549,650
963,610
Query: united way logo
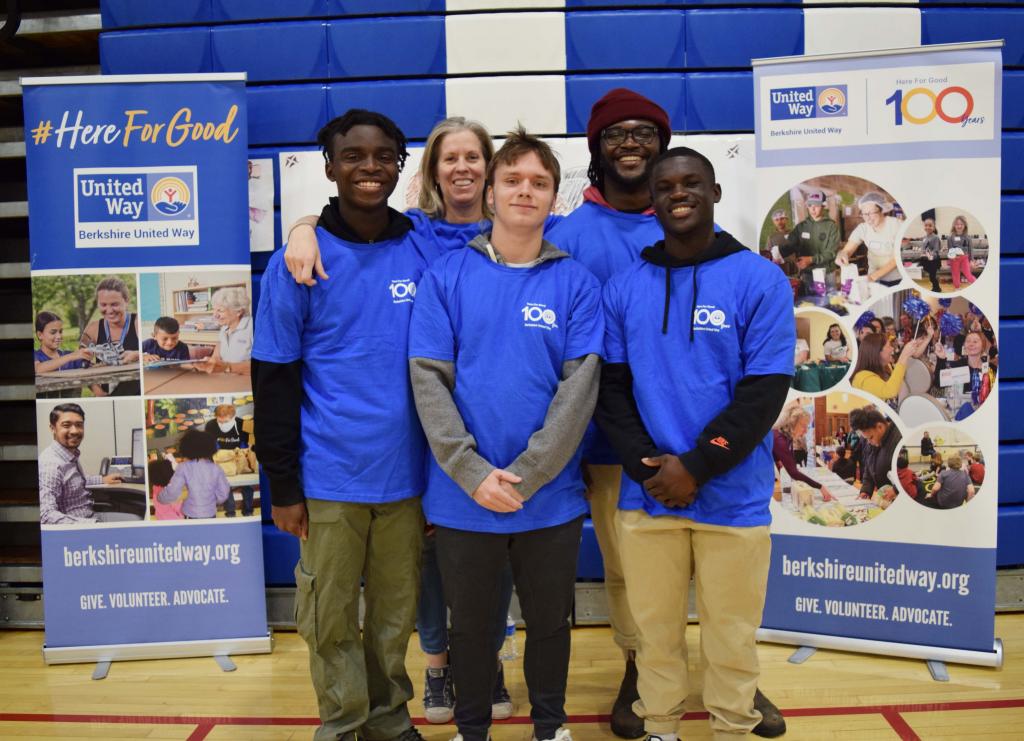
x,y
170,195
135,206
822,101
539,315
832,101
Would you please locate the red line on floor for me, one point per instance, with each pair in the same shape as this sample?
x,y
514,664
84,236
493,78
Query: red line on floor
x,y
890,711
201,732
900,725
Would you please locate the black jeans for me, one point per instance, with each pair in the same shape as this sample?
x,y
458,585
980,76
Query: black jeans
x,y
932,268
544,570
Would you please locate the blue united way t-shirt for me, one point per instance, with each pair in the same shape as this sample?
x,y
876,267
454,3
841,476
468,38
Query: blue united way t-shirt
x,y
508,331
743,325
361,440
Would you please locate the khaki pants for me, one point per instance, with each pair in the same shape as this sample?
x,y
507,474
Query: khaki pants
x,y
605,482
360,680
730,567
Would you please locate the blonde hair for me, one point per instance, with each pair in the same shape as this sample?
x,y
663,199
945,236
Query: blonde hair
x,y
431,201
233,298
224,410
953,462
790,417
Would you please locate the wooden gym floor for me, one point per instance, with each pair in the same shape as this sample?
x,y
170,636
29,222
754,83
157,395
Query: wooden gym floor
x,y
834,695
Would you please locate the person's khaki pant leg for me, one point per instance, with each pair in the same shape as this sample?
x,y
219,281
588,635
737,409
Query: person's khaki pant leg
x,y
605,482
327,580
656,561
392,579
731,574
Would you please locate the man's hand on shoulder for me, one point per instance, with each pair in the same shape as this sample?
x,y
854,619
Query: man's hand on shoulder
x,y
497,492
292,519
672,485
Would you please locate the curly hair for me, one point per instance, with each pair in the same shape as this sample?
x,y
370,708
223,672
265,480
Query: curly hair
x,y
361,117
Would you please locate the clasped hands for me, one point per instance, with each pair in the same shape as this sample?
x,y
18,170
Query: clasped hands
x,y
497,492
672,485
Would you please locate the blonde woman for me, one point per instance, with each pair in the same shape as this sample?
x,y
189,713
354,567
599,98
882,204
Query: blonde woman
x,y
792,425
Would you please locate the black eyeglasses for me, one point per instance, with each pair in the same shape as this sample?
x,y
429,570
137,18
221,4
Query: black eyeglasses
x,y
615,135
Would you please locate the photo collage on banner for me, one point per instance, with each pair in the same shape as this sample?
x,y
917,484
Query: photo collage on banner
x,y
884,510
142,305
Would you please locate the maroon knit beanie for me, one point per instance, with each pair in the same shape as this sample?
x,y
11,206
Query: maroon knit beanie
x,y
622,104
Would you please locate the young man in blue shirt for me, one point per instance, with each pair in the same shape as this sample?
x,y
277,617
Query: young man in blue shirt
x,y
339,438
504,355
626,133
699,339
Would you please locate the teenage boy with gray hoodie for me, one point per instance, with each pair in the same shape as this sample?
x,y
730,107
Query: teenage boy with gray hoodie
x,y
504,352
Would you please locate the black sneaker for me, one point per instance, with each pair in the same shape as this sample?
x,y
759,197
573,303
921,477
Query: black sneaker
x,y
439,696
772,723
625,723
409,734
501,701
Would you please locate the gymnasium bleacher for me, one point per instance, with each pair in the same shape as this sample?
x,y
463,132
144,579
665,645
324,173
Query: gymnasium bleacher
x,y
545,62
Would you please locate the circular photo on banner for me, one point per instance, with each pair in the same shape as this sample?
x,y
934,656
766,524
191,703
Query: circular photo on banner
x,y
930,359
834,237
940,467
824,351
944,249
833,459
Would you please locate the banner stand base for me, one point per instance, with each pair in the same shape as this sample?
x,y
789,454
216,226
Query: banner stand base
x,y
993,658
802,654
224,662
218,647
938,670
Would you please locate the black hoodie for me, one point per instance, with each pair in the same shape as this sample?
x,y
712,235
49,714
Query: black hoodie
x,y
277,387
757,400
723,245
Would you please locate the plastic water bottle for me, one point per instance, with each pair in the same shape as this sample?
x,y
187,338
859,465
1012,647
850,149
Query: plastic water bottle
x,y
509,649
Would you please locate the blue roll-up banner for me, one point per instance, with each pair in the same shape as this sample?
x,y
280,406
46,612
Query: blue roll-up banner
x,y
878,180
142,303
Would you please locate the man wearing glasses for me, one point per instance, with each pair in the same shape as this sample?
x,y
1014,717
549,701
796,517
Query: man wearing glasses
x,y
607,232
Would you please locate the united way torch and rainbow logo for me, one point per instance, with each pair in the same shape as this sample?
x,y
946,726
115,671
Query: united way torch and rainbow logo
x,y
170,195
809,101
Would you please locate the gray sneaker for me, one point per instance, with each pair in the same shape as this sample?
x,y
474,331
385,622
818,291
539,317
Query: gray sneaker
x,y
438,695
501,701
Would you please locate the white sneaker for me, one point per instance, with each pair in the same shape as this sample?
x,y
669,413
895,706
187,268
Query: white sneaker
x,y
562,735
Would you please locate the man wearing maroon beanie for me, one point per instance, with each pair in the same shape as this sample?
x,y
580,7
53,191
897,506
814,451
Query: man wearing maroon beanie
x,y
625,133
